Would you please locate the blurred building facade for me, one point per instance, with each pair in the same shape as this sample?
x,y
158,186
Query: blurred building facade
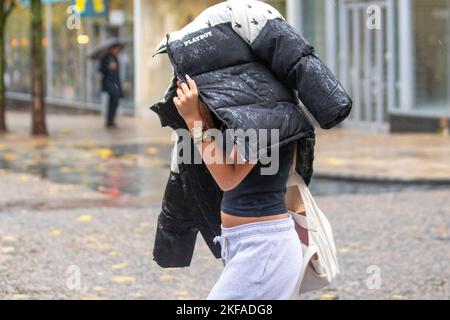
x,y
72,78
391,55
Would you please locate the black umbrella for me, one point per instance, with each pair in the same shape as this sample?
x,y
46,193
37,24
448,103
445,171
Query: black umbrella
x,y
103,48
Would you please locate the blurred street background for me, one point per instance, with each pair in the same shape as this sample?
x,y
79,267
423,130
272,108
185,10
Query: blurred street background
x,y
77,199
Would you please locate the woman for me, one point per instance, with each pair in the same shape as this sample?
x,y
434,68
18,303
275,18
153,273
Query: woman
x,y
260,247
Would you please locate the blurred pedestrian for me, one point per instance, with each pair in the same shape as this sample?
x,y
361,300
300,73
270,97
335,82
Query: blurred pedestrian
x,y
109,67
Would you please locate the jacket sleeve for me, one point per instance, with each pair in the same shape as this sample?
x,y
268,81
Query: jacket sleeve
x,y
177,229
292,59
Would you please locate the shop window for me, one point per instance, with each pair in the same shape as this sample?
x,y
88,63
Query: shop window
x,y
432,58
313,24
71,76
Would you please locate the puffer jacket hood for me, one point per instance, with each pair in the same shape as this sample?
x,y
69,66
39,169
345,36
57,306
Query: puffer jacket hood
x,y
251,68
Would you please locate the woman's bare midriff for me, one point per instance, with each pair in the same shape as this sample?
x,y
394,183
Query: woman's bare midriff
x,y
229,221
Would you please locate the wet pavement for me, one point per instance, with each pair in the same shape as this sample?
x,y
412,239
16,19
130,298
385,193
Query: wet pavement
x,y
62,241
129,160
133,169
360,155
78,213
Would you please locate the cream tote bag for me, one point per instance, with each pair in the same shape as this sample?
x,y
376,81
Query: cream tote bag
x,y
320,264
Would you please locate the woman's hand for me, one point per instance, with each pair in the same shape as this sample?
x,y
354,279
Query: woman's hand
x,y
191,108
187,101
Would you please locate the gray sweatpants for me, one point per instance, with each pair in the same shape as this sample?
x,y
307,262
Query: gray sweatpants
x,y
262,261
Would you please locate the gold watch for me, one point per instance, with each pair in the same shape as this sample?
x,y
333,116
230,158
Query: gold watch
x,y
197,134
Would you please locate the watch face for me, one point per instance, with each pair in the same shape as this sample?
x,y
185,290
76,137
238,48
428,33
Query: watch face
x,y
197,133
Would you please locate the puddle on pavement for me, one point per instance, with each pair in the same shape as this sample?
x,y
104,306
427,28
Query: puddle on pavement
x,y
133,169
138,169
324,186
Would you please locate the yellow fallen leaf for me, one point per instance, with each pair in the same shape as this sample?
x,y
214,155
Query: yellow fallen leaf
x,y
9,157
120,266
20,296
65,130
131,157
184,298
166,277
85,218
183,292
397,296
122,279
104,153
114,253
92,298
105,246
152,151
334,160
9,238
183,295
91,239
8,249
145,225
328,296
343,250
38,143
55,233
65,169
98,289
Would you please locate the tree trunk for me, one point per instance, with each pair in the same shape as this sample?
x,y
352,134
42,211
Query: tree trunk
x,y
39,126
3,16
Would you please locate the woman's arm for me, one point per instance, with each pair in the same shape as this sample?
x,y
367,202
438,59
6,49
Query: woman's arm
x,y
227,172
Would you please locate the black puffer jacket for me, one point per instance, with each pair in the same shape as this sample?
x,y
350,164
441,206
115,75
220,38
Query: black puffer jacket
x,y
251,67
